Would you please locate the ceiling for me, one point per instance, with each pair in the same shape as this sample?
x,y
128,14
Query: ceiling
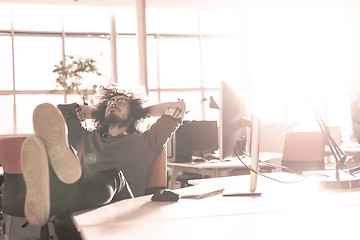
x,y
203,4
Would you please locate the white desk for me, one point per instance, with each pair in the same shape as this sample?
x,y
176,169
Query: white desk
x,y
351,149
284,211
217,168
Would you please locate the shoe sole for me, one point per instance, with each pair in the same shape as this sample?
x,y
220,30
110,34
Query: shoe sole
x,y
50,127
35,169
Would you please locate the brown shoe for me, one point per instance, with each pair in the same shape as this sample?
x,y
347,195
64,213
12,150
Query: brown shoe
x,y
35,169
50,127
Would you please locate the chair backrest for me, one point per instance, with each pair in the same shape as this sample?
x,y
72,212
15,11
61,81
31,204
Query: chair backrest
x,y
10,148
14,185
158,174
304,151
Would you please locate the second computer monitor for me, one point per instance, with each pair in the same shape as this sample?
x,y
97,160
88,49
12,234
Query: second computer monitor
x,y
195,138
234,123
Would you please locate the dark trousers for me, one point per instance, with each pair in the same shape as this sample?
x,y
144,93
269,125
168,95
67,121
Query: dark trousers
x,y
87,193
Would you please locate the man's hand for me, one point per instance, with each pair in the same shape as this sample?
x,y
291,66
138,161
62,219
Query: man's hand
x,y
159,109
182,105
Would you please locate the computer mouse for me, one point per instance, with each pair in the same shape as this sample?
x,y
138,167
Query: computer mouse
x,y
165,195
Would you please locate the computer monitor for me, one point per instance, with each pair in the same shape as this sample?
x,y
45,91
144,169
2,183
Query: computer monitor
x,y
194,138
233,122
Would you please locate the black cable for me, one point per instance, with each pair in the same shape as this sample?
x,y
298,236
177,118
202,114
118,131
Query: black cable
x,y
263,175
274,165
289,169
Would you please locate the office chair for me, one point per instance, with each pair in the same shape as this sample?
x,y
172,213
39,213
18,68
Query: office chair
x,y
13,194
158,174
304,151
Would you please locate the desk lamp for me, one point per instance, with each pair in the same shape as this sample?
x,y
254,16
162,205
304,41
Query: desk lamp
x,y
347,180
212,104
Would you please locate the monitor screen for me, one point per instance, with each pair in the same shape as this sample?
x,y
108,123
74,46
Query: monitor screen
x,y
194,138
204,137
234,123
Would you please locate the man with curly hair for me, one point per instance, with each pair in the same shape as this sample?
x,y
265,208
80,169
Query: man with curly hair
x,y
112,162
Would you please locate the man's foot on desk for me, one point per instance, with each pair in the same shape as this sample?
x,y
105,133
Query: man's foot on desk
x,y
50,127
35,169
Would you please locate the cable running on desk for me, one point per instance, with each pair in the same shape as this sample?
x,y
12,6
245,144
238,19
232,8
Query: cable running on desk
x,y
274,179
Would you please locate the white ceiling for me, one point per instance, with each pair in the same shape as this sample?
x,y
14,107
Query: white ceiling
x,y
227,4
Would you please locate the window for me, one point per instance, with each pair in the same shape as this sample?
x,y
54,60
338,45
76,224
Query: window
x,y
91,46
48,17
127,61
179,63
30,47
279,57
26,103
5,16
86,19
6,71
189,53
223,60
7,116
177,21
34,59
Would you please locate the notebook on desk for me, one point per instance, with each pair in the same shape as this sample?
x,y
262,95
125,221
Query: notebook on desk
x,y
199,192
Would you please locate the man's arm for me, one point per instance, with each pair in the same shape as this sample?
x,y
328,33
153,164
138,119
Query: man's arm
x,y
74,126
158,110
87,111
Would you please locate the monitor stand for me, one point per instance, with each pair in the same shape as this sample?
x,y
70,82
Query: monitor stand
x,y
254,154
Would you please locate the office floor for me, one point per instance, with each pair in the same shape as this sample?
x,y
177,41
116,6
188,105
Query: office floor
x,y
17,232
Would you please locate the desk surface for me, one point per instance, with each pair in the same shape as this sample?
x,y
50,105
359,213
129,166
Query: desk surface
x,y
210,165
284,211
350,148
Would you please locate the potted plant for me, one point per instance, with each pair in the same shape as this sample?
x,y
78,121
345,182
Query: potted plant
x,y
76,75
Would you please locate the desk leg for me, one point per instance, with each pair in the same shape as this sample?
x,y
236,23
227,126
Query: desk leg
x,y
221,173
215,173
174,174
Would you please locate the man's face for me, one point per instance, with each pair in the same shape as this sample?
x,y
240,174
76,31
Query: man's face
x,y
118,110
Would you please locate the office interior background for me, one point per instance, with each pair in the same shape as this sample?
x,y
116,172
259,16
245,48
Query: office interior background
x,y
280,53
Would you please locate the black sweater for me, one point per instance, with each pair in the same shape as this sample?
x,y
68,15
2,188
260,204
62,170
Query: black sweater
x,y
132,154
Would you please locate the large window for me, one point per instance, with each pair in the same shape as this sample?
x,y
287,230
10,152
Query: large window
x,y
34,57
31,46
6,70
280,58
